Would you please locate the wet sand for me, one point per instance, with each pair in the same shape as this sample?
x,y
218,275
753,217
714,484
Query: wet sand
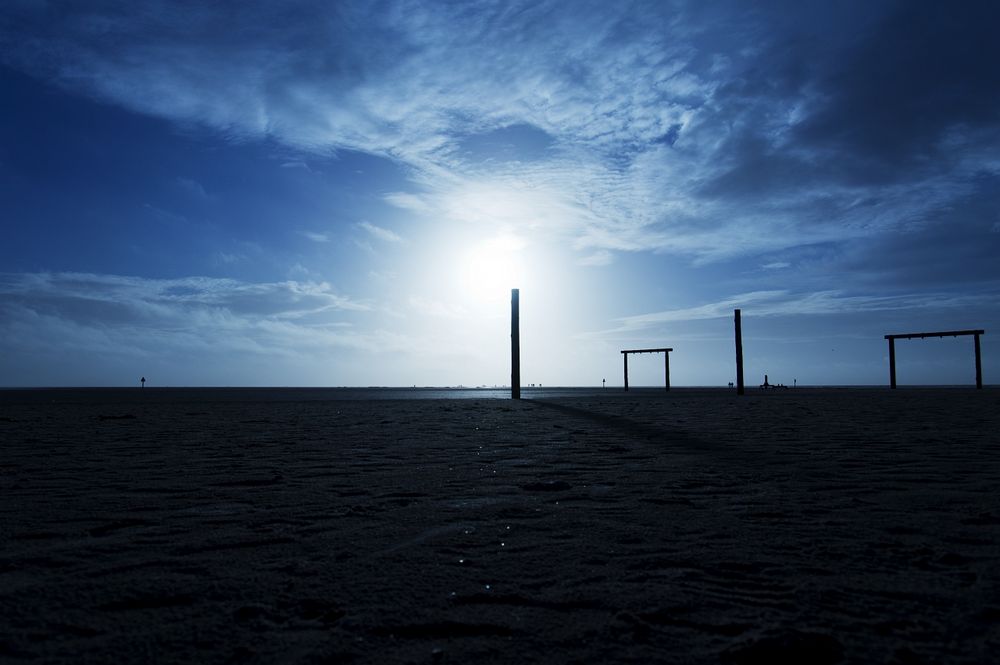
x,y
819,526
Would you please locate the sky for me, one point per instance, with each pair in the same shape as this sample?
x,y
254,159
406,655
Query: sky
x,y
310,193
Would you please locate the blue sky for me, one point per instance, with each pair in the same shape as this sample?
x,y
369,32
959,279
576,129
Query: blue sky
x,y
315,193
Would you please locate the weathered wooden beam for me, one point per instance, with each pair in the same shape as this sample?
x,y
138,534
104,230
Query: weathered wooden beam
x,y
739,354
946,333
979,366
892,362
515,345
666,371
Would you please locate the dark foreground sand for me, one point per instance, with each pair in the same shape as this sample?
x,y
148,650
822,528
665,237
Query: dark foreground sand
x,y
798,526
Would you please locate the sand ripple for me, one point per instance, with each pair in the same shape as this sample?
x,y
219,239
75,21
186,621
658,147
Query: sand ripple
x,y
802,526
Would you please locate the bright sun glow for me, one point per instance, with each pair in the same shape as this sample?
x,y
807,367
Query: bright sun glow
x,y
490,269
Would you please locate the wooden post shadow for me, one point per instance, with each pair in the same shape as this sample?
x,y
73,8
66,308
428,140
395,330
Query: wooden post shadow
x,y
948,333
666,364
515,345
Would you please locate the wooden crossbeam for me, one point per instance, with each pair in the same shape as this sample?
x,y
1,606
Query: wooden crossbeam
x,y
946,333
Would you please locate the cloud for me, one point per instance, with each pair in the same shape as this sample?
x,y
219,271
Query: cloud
x,y
709,131
316,237
380,233
228,258
179,321
600,258
193,188
916,75
118,299
407,201
165,216
436,308
830,302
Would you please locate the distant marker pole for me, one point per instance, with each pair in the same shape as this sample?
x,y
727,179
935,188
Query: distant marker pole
x,y
515,345
739,355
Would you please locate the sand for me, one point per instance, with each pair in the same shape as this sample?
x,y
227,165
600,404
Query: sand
x,y
806,526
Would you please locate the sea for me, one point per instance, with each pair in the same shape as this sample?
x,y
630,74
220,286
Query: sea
x,y
290,394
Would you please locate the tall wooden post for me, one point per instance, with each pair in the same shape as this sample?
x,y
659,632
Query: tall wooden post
x,y
515,345
739,355
666,368
892,362
625,356
979,366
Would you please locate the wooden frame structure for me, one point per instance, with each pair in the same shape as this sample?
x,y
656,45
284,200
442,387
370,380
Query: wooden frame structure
x,y
948,333
666,363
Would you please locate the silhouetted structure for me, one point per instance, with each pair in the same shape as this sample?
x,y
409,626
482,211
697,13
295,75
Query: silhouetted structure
x,y
948,333
142,382
515,345
666,363
772,386
739,355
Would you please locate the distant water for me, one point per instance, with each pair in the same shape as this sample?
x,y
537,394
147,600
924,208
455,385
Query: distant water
x,y
281,394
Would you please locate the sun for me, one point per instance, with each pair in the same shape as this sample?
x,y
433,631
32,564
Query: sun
x,y
489,269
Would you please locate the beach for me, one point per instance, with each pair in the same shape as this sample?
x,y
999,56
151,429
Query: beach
x,y
690,526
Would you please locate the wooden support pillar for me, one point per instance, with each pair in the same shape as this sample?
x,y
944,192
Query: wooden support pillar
x,y
515,345
739,355
666,369
892,362
625,356
979,365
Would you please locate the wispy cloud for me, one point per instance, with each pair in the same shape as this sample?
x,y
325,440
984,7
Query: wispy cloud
x,y
380,233
84,296
193,188
436,308
317,237
228,258
165,216
179,319
407,201
599,258
787,303
699,130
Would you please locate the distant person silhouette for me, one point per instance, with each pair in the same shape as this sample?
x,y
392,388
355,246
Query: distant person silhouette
x,y
142,382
